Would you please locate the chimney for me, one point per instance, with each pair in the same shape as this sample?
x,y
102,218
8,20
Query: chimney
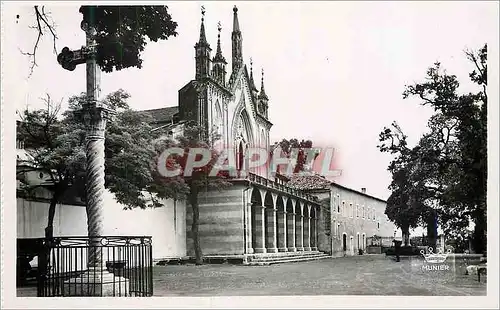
x,y
363,190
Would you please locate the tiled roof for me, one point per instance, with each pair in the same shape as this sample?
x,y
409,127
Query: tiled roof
x,y
309,182
163,115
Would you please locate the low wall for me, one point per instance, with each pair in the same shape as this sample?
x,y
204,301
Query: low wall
x,y
166,225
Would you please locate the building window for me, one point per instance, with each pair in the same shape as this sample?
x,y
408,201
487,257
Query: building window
x,y
343,208
357,211
363,211
378,225
351,210
374,214
338,203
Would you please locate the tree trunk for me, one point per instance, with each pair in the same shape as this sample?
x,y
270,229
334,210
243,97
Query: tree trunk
x,y
49,230
432,229
193,200
479,236
405,231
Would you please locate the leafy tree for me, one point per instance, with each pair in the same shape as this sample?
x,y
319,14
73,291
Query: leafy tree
x,y
402,208
121,32
54,143
288,145
188,185
449,179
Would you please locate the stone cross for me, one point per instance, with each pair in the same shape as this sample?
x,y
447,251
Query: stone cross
x,y
94,116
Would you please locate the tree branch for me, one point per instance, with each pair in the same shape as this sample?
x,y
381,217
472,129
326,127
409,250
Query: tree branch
x,y
42,24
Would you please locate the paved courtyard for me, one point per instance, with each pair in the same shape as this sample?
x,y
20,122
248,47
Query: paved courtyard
x,y
359,275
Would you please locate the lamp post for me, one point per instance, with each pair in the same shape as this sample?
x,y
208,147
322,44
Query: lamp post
x,y
94,116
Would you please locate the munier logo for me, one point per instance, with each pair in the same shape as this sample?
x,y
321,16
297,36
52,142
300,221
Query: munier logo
x,y
435,258
435,261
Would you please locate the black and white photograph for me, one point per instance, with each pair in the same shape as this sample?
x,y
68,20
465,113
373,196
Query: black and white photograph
x,y
250,154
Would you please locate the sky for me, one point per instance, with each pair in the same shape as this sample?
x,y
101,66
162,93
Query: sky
x,y
334,71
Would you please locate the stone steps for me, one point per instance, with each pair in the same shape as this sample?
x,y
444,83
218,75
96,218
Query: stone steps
x,y
290,257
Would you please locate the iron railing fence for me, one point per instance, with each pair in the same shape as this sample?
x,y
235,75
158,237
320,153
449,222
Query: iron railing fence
x,y
125,265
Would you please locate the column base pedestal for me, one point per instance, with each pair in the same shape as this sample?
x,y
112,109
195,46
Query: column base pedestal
x,y
307,248
250,251
271,250
299,249
95,282
292,249
314,248
259,250
282,249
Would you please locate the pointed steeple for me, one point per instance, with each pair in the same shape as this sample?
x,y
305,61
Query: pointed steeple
x,y
219,62
203,50
237,42
252,81
236,24
203,38
262,94
218,55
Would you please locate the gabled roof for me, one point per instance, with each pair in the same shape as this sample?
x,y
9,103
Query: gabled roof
x,y
309,182
162,115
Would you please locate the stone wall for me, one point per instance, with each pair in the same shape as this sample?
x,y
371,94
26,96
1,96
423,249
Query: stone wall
x,y
221,228
324,228
166,225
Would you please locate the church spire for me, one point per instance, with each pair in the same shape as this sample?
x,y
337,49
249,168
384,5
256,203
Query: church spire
x,y
218,54
219,62
236,24
203,50
237,42
203,38
252,81
262,94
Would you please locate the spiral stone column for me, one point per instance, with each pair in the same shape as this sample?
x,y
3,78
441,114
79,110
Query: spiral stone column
x,y
96,281
95,117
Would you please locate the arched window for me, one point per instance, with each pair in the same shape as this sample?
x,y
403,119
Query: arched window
x,y
218,120
240,157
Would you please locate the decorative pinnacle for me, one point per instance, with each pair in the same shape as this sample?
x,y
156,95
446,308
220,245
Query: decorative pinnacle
x,y
203,38
251,75
236,24
218,56
262,91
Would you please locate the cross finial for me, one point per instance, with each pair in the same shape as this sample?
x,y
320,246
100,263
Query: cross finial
x,y
219,26
203,10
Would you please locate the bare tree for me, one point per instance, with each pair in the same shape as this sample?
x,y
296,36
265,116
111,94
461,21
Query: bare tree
x,y
43,25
